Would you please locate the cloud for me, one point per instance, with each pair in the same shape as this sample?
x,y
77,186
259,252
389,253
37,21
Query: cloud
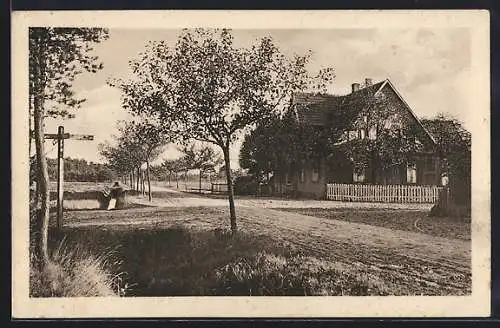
x,y
98,117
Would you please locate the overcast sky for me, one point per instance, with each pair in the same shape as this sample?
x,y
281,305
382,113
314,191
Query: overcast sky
x,y
430,68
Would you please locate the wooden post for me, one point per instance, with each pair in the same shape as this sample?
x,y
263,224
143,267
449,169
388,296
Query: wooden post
x,y
60,176
60,136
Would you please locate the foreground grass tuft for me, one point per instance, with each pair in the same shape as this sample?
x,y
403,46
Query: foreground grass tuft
x,y
73,272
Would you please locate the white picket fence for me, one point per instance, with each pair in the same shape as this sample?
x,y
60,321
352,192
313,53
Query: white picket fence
x,y
219,188
382,193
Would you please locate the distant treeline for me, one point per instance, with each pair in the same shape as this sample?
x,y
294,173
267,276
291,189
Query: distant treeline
x,y
78,170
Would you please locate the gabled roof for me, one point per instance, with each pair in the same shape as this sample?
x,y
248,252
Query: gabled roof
x,y
314,109
387,81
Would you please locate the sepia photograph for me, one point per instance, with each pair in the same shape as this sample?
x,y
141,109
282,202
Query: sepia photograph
x,y
201,164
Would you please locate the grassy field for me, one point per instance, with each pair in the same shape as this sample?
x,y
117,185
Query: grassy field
x,y
187,185
180,246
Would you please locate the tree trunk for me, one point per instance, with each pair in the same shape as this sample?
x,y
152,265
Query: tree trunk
x,y
143,192
149,181
42,168
138,180
199,191
177,180
143,183
30,107
230,190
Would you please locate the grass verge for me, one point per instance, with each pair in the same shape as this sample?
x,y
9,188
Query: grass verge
x,y
180,261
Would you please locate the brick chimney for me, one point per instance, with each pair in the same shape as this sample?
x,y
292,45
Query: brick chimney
x,y
355,87
368,81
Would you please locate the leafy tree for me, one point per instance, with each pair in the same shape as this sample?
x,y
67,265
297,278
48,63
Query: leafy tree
x,y
56,57
282,144
454,143
138,142
204,88
168,167
204,159
149,139
173,167
125,156
80,170
117,159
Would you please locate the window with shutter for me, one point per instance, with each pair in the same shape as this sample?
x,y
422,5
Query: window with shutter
x,y
315,172
358,177
411,174
372,133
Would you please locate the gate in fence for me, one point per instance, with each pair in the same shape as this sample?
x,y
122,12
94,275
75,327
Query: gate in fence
x,y
383,193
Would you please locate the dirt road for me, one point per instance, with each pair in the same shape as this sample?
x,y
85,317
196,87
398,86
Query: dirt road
x,y
174,198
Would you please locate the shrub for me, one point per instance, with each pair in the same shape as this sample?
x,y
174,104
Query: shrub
x,y
246,185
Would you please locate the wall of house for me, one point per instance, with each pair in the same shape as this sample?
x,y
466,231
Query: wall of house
x,y
309,188
393,175
428,169
427,165
339,173
396,103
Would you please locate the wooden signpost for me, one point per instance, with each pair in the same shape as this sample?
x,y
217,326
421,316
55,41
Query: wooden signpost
x,y
60,136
